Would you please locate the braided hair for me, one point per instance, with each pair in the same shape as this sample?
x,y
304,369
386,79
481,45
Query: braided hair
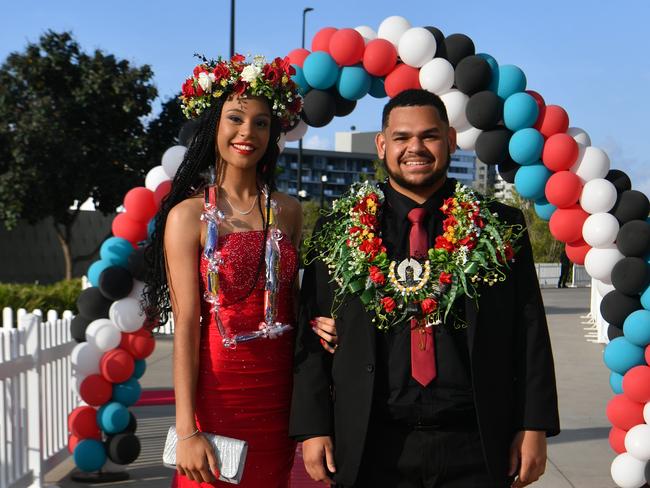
x,y
190,179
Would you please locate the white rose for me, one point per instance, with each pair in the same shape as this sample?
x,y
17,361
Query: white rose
x,y
205,82
250,72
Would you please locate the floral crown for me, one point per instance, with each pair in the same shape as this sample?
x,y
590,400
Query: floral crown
x,y
213,79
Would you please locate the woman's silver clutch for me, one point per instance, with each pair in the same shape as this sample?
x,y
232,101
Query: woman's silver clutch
x,y
231,454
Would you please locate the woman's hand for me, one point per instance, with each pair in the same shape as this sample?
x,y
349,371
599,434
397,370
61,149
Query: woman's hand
x,y
196,459
325,328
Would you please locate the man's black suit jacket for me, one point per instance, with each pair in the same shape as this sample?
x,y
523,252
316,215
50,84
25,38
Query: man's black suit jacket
x,y
512,369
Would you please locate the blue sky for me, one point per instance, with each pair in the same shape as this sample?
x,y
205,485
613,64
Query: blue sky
x,y
590,57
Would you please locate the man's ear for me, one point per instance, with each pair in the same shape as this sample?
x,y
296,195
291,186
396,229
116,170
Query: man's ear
x,y
451,139
380,142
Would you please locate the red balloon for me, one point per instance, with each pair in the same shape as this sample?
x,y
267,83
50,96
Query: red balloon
x,y
82,422
560,152
140,204
538,99
552,119
617,440
403,77
563,189
95,390
139,344
624,413
321,41
636,384
346,47
576,251
127,228
380,57
297,56
161,191
566,223
116,365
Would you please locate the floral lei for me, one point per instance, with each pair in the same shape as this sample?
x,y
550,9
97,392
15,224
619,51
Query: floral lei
x,y
474,249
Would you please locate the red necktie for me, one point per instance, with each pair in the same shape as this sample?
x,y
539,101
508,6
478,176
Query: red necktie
x,y
423,359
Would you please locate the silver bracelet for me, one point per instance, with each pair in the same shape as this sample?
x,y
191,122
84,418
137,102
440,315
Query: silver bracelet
x,y
188,436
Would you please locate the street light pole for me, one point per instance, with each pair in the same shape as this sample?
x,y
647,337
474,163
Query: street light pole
x,y
299,169
323,180
232,28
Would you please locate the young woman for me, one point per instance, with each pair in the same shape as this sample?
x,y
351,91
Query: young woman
x,y
241,392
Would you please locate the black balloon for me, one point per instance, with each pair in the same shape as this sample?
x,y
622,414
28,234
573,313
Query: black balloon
x,y
92,304
484,110
441,50
631,205
133,424
508,169
343,105
319,108
472,75
615,307
137,265
458,46
123,448
614,332
492,145
633,238
186,134
78,327
620,180
630,275
115,282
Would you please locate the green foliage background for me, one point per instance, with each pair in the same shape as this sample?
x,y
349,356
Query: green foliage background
x,y
58,296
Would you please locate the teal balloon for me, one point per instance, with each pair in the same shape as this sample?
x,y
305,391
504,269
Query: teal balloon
x,y
112,417
645,298
520,111
636,328
377,89
526,146
300,80
494,66
127,393
530,181
544,210
140,368
511,80
116,251
89,455
95,269
621,355
354,82
616,382
320,70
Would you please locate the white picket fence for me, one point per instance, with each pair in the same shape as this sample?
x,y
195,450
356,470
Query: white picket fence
x,y
35,395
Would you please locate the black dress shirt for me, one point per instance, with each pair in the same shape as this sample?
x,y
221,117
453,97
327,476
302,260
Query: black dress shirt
x,y
448,400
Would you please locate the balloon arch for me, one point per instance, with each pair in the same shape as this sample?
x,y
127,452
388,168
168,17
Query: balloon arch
x,y
590,207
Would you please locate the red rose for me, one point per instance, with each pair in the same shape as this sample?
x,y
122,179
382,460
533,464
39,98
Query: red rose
x,y
479,222
510,252
220,71
188,88
354,230
371,247
442,243
428,305
362,206
388,303
295,105
373,197
467,241
376,276
273,74
237,59
449,221
368,220
240,87
445,278
198,70
285,64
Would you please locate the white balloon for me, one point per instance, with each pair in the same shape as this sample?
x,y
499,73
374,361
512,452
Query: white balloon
x,y
627,471
579,135
603,288
592,163
437,76
368,33
155,177
392,28
466,139
455,102
417,46
646,413
136,291
282,141
127,314
600,261
600,230
103,334
172,159
298,132
85,358
637,442
598,195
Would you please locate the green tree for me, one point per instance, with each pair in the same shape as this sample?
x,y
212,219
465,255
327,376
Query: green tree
x,y
71,127
162,132
380,170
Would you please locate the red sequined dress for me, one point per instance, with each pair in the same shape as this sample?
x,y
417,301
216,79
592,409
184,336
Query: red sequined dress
x,y
245,392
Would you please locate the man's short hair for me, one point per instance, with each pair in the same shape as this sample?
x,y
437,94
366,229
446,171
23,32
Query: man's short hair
x,y
414,98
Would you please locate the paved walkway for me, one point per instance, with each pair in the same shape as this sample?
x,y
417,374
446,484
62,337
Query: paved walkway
x,y
579,457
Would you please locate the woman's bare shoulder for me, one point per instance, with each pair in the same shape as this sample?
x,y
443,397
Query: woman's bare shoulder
x,y
287,203
185,216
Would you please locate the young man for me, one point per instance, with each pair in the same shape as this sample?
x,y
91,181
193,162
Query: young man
x,y
481,418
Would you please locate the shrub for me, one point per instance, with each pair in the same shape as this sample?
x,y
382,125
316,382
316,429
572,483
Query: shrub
x,y
58,296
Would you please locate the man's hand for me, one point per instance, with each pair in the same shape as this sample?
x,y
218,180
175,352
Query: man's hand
x,y
528,452
318,452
